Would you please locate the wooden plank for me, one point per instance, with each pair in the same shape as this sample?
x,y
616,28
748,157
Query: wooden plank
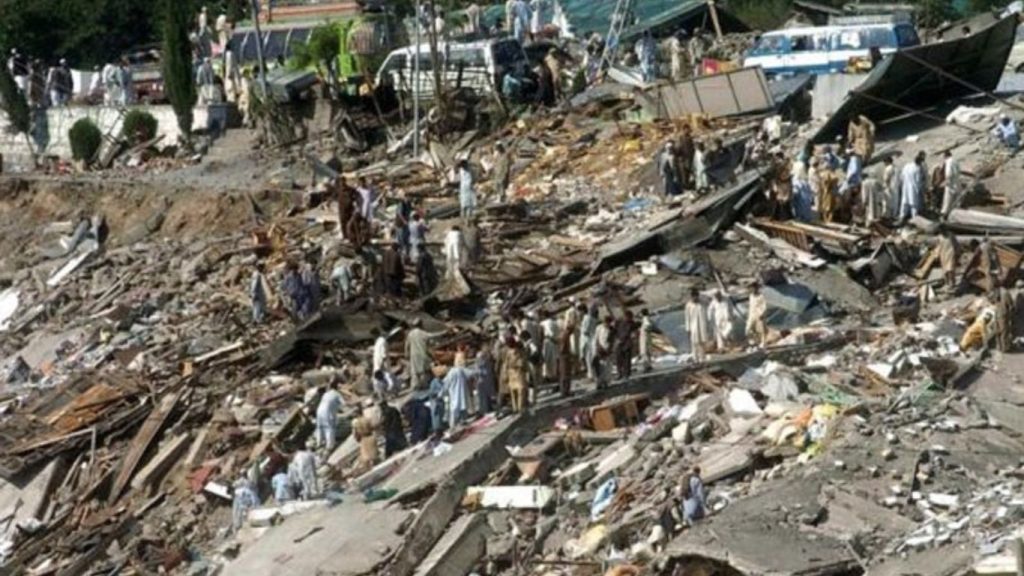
x,y
142,441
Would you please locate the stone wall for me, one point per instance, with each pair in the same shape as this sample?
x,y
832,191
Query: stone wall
x,y
50,132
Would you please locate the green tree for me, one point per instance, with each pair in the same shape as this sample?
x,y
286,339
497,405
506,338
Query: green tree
x,y
85,138
15,106
321,52
932,13
177,59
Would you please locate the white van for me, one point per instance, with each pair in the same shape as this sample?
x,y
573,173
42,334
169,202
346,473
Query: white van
x,y
827,49
478,65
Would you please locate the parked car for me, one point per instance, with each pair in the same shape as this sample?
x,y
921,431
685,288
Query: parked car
x,y
480,66
147,74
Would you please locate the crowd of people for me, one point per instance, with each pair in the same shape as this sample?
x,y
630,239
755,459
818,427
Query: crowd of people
x,y
43,86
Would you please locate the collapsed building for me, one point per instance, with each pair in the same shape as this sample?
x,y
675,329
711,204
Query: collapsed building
x,y
863,439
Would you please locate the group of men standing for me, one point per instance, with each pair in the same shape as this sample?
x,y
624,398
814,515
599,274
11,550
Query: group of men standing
x,y
43,87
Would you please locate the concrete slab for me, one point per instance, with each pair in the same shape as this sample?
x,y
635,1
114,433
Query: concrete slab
x,y
459,550
346,540
430,469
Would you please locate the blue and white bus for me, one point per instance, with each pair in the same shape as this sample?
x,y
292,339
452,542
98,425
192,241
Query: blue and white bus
x,y
827,49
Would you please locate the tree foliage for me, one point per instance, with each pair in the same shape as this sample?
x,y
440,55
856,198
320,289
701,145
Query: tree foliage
x,y
93,32
13,102
139,126
85,139
177,61
323,47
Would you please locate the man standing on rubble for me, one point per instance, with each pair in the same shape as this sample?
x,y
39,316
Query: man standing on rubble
x,y
393,270
803,196
364,431
757,312
851,184
486,384
571,325
456,390
341,279
860,136
603,348
891,188
467,191
566,357
502,170
454,250
696,49
625,329
243,499
911,180
327,418
694,499
513,372
951,183
417,237
282,485
426,273
721,314
872,199
394,433
700,169
646,339
685,149
697,326
417,352
259,294
549,329
295,291
311,287
303,473
669,169
588,326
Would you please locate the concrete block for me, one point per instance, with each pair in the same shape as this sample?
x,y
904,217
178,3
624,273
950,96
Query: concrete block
x,y
516,497
742,404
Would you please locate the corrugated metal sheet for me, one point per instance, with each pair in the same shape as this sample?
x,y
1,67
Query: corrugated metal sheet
x,y
978,59
662,16
737,92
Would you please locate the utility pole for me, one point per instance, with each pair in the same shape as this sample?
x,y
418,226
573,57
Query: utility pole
x,y
416,88
259,47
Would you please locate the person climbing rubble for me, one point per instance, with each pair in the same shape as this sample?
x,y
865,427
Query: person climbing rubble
x,y
646,339
327,418
302,472
281,484
1006,132
697,326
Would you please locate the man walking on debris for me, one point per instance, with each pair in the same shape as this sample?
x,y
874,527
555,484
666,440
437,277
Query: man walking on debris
x,y
911,179
668,163
467,192
720,311
327,418
697,326
259,294
417,352
757,311
951,184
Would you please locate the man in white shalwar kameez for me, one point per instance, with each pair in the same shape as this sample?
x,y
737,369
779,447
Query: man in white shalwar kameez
x,y
951,177
911,177
456,391
720,312
588,325
697,326
549,350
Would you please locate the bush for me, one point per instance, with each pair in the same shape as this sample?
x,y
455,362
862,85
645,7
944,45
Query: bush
x,y
138,127
85,139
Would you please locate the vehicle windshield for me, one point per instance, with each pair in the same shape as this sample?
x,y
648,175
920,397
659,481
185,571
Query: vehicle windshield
x,y
768,45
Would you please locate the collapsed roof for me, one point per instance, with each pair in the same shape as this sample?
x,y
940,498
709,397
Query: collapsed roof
x,y
908,81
